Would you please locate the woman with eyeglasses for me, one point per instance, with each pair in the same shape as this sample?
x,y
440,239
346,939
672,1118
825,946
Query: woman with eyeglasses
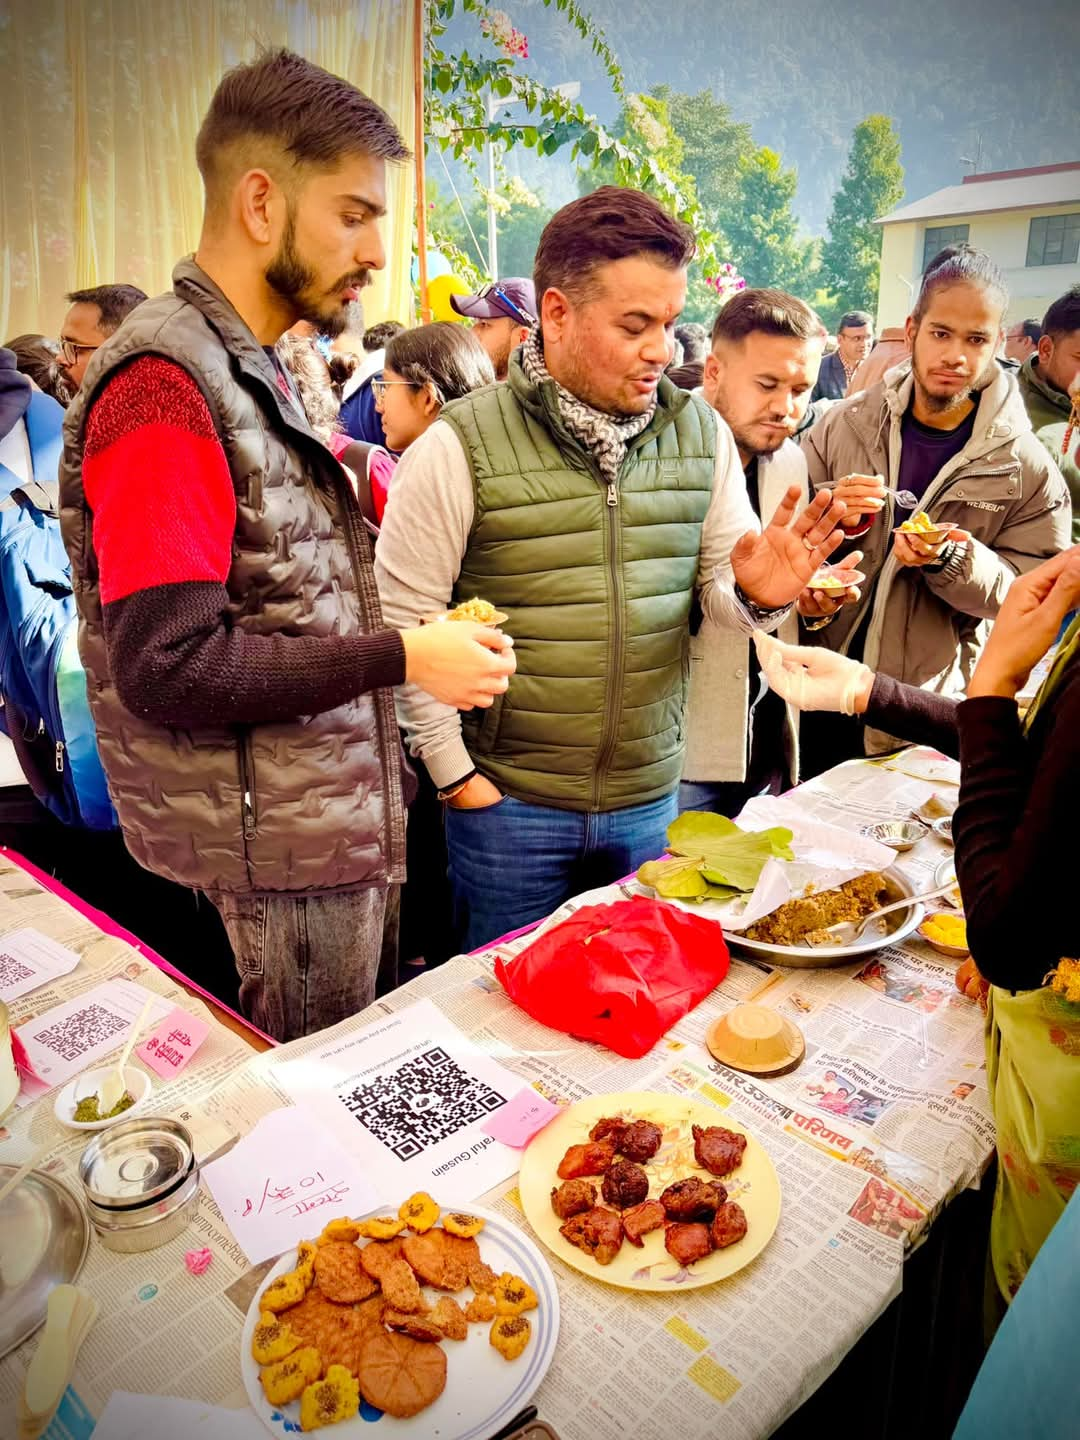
x,y
424,370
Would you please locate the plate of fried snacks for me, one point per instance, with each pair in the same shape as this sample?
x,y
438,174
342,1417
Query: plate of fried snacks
x,y
421,1321
650,1192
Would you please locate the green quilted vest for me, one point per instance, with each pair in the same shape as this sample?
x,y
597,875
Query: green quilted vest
x,y
597,582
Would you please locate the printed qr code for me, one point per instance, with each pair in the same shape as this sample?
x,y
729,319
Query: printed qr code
x,y
78,1033
426,1100
12,971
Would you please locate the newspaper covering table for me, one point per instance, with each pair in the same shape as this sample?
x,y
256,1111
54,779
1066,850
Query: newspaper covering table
x,y
885,1120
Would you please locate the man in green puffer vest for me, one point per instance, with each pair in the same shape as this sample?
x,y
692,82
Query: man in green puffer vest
x,y
1047,381
588,499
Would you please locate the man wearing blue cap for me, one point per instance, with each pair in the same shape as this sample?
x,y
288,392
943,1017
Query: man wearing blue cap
x,y
502,313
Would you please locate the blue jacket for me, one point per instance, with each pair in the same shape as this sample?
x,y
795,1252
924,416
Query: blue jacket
x,y
832,380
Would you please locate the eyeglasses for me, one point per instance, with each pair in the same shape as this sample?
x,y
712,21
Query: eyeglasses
x,y
379,388
492,289
69,350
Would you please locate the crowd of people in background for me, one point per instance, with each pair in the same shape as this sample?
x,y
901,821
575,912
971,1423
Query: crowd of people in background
x,y
263,503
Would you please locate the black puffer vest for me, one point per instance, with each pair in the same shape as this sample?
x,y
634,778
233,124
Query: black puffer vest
x,y
311,805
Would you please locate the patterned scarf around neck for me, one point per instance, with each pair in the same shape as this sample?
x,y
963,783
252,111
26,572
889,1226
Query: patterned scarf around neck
x,y
606,436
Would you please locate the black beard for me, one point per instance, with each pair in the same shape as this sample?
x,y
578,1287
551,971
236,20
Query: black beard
x,y
293,281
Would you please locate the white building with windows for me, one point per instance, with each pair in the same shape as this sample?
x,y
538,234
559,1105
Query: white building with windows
x,y
1028,220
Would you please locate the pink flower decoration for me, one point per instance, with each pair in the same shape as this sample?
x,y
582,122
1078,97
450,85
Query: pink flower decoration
x,y
198,1261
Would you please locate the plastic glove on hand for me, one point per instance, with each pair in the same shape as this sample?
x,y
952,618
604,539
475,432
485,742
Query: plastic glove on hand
x,y
812,678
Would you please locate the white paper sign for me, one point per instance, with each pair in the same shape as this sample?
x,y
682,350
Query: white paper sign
x,y
409,1096
281,1182
134,1417
29,959
67,1039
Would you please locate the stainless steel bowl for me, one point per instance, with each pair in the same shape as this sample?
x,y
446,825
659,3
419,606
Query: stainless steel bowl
x,y
899,835
894,927
140,1183
943,828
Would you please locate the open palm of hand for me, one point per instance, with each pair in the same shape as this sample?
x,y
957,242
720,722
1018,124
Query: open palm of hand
x,y
773,567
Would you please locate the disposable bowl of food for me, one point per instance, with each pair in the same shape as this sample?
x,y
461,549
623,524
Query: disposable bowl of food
x,y
828,579
934,536
899,835
436,617
953,952
136,1083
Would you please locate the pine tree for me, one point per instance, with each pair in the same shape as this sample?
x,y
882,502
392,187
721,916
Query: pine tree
x,y
873,184
763,231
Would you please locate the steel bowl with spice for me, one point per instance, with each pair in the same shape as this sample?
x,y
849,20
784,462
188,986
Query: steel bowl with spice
x,y
140,1183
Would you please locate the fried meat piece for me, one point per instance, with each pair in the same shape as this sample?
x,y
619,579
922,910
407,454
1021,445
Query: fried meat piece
x,y
609,1128
378,1254
340,1275
597,1231
649,1215
400,1375
572,1197
440,1259
591,1159
625,1184
335,1331
640,1141
690,1199
687,1243
729,1225
721,1191
718,1150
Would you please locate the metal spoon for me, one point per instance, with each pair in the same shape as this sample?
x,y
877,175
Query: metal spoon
x,y
844,932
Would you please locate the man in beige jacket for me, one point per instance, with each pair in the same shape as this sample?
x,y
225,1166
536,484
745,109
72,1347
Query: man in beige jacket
x,y
741,739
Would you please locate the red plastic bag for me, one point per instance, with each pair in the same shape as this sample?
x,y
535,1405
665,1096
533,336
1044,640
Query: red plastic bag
x,y
621,974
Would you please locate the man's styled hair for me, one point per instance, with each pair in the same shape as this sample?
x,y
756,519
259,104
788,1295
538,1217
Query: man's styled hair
x,y
1032,329
378,336
610,224
854,320
695,341
1063,317
115,303
769,312
444,355
956,265
281,108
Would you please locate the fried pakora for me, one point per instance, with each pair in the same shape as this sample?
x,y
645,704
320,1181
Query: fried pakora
x,y
342,1229
718,1150
287,1379
462,1225
481,1277
329,1401
572,1197
419,1212
440,1259
335,1331
591,1159
687,1243
729,1225
609,1128
340,1275
420,1327
690,1199
480,1308
513,1295
287,1290
510,1334
378,1254
640,1220
640,1141
625,1184
448,1315
597,1231
273,1339
400,1375
381,1227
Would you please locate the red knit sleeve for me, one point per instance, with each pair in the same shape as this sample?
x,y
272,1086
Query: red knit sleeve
x,y
157,480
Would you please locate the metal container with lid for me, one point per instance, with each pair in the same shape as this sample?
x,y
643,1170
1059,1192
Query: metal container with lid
x,y
141,1183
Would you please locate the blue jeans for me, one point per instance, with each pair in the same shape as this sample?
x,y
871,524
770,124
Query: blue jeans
x,y
513,863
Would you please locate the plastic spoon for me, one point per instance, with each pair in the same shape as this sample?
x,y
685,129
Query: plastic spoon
x,y
906,500
112,1086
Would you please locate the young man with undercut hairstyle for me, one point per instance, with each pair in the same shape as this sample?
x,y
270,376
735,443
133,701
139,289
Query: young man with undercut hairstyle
x,y
239,667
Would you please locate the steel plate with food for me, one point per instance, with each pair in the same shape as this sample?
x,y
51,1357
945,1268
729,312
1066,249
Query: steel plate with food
x,y
421,1322
650,1192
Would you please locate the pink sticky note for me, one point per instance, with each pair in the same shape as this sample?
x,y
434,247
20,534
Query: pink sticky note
x,y
173,1043
516,1122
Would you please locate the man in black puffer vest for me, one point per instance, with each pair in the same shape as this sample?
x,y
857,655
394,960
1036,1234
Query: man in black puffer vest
x,y
238,666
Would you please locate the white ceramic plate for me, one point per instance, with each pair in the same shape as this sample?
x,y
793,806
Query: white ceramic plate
x,y
483,1391
136,1082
